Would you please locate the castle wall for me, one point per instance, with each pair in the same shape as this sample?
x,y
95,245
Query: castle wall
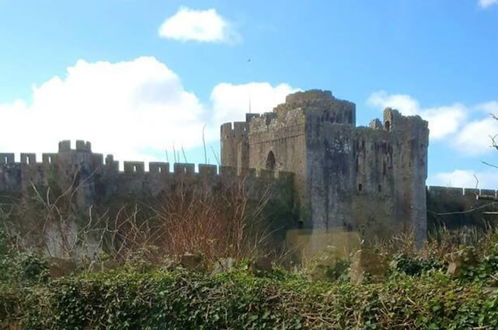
x,y
374,205
391,169
82,170
94,183
330,175
235,145
455,208
410,168
283,137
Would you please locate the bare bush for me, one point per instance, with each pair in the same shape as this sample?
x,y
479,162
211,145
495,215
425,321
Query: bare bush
x,y
225,223
191,221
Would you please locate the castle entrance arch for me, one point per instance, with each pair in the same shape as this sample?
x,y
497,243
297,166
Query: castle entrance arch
x,y
270,161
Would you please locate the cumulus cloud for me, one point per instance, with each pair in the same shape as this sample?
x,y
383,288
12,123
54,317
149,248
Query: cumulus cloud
x,y
124,107
476,137
489,107
198,25
135,109
230,101
487,179
442,120
487,3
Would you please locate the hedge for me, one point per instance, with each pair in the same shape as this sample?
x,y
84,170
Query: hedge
x,y
239,300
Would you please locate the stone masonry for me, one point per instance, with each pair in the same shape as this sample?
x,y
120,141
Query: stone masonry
x,y
349,178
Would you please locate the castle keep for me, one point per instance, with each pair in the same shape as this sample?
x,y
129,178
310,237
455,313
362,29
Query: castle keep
x,y
346,177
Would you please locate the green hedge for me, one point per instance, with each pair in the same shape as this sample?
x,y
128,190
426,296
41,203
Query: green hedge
x,y
181,300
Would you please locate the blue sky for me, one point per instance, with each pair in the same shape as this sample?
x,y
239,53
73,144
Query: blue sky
x,y
140,77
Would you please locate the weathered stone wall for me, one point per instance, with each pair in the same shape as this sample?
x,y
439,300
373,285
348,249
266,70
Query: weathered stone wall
x,y
346,177
278,142
97,179
330,171
454,208
374,205
93,182
235,145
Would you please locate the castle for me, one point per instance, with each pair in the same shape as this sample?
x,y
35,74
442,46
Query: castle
x,y
328,173
353,178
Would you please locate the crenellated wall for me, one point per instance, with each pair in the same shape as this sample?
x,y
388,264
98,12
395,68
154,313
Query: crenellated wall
x,y
98,179
459,207
96,184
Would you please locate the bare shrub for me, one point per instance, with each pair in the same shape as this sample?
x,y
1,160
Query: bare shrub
x,y
48,219
226,224
192,219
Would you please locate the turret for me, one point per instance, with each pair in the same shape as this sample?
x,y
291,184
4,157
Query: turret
x,y
235,145
321,105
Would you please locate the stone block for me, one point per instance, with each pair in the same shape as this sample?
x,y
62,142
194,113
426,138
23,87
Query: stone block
x,y
58,267
159,168
223,265
28,158
49,158
460,260
65,146
83,146
367,264
192,262
134,167
261,265
207,171
6,158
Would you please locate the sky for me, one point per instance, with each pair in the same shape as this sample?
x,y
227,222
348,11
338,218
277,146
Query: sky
x,y
153,80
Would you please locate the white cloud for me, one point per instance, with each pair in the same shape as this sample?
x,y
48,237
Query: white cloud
x,y
475,137
489,107
404,103
487,3
198,25
133,109
230,101
123,107
487,179
442,120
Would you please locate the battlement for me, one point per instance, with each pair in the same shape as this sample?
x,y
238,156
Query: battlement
x,y
394,120
6,158
135,177
65,146
451,192
321,106
317,104
26,159
236,129
455,208
311,96
137,167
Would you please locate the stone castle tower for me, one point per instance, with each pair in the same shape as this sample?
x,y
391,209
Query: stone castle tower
x,y
366,179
